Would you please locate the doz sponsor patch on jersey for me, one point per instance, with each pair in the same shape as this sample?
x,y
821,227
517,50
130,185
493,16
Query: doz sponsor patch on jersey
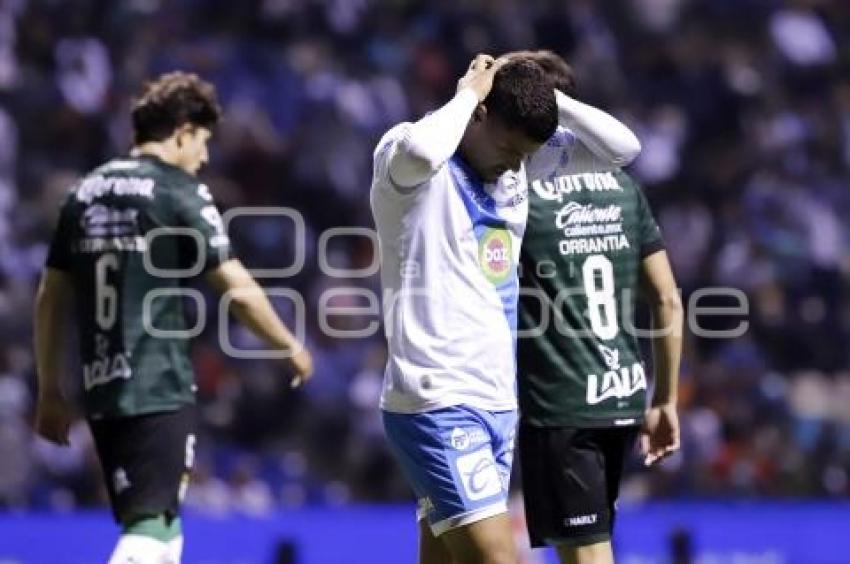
x,y
494,255
479,474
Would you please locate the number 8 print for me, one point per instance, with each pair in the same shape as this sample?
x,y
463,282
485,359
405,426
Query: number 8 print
x,y
600,300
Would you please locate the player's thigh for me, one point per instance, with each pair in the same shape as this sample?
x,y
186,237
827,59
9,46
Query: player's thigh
x,y
564,487
489,541
618,445
146,461
432,550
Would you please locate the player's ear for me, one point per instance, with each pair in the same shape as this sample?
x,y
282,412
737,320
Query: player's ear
x,y
480,113
183,130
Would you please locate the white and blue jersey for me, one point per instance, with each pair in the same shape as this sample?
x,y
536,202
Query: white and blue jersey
x,y
449,251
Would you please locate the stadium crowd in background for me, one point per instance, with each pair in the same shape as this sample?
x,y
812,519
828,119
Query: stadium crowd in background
x,y
743,110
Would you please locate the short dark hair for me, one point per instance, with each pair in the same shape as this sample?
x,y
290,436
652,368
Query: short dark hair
x,y
557,70
522,99
172,100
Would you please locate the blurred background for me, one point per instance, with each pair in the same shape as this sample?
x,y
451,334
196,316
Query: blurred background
x,y
743,109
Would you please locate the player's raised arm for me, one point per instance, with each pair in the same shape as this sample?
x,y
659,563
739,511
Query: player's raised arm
x,y
53,299
428,143
660,434
252,308
607,137
603,141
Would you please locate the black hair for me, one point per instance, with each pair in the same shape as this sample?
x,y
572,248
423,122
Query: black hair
x,y
557,70
522,99
172,100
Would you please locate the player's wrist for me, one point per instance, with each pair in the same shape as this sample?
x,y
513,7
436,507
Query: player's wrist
x,y
664,403
567,107
470,95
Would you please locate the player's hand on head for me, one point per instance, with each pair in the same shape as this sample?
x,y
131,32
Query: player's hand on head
x,y
301,365
53,418
479,76
659,436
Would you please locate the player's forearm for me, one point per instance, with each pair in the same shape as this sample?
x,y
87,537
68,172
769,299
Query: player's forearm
x,y
667,317
432,140
253,309
606,136
49,342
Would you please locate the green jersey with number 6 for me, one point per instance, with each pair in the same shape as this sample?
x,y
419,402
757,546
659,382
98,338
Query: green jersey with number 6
x,y
579,363
130,234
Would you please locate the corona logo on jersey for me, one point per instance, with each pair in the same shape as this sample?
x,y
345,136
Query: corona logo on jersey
x,y
559,186
495,255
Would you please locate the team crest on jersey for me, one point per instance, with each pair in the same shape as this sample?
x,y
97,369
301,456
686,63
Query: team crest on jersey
x,y
495,255
611,357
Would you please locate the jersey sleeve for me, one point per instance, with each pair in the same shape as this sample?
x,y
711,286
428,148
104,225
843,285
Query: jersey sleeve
x,y
604,142
554,153
382,181
649,233
196,210
60,253
565,153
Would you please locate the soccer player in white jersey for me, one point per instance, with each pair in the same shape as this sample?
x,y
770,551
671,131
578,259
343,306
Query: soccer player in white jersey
x,y
449,202
449,197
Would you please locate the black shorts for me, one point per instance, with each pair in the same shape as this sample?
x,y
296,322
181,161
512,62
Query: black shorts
x,y
571,479
146,461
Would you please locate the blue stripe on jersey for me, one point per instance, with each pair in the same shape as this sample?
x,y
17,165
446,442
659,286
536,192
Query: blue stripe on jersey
x,y
481,208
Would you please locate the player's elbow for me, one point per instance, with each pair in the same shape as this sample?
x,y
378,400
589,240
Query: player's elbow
x,y
408,170
669,301
48,298
627,151
243,298
49,309
418,155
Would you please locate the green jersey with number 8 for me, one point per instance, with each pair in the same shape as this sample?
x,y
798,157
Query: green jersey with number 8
x,y
131,234
579,361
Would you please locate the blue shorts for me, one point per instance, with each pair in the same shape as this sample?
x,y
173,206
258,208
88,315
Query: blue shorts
x,y
458,461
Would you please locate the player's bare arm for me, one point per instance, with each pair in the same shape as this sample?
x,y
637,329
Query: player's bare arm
x,y
252,307
53,411
660,433
432,140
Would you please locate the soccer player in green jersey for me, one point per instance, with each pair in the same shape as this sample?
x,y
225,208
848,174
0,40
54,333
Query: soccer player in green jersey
x,y
590,243
128,234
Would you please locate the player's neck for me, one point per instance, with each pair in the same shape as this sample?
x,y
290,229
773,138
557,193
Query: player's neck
x,y
164,151
462,153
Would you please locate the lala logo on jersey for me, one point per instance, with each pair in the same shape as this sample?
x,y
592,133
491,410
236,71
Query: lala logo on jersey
x,y
618,382
495,255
